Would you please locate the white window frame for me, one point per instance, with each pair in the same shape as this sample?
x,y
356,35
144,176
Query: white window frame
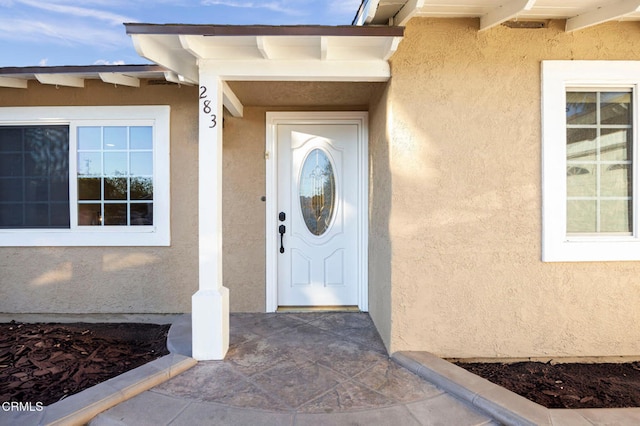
x,y
558,77
159,234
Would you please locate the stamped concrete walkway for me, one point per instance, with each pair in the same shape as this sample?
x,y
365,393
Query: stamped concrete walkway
x,y
294,369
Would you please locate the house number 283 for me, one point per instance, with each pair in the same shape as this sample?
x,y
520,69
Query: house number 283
x,y
206,107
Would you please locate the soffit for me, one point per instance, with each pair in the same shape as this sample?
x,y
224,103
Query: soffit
x,y
305,94
269,53
75,76
578,13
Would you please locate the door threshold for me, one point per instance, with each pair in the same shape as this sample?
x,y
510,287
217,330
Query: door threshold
x,y
290,309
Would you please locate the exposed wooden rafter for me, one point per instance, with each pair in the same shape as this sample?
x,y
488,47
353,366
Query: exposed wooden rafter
x,y
15,83
407,12
60,80
603,14
231,101
263,47
505,12
152,50
119,79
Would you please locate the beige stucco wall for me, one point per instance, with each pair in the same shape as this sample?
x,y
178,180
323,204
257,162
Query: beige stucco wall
x,y
113,279
380,308
463,115
155,279
243,210
163,279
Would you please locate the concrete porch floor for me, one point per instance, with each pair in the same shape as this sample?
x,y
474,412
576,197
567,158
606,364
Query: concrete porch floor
x,y
294,369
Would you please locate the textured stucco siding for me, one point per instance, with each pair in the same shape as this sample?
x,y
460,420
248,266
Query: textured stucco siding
x,y
163,279
465,200
380,301
113,279
150,279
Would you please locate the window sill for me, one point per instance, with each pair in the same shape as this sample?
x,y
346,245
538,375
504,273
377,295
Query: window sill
x,y
144,237
590,250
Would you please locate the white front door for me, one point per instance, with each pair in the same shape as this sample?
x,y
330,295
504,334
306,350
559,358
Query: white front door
x,y
318,223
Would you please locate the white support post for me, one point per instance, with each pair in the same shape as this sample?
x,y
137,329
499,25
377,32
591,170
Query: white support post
x,y
210,305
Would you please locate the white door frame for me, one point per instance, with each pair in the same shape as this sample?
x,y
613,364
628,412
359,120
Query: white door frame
x,y
271,155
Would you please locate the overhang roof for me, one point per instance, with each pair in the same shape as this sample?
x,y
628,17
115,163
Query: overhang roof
x,y
74,76
578,13
270,53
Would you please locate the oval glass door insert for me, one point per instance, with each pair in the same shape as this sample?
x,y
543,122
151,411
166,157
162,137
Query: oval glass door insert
x,y
317,191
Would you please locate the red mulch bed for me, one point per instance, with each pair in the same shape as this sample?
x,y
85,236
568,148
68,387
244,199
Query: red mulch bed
x,y
48,362
572,385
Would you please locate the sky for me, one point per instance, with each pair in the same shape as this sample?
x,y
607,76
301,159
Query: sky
x,y
90,32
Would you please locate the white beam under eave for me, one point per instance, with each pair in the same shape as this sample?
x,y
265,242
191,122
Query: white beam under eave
x,y
505,13
161,55
391,47
195,45
324,48
119,79
304,70
370,9
603,14
231,101
262,43
15,83
407,12
60,80
178,79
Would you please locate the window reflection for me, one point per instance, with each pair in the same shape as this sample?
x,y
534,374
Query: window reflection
x,y
115,176
599,162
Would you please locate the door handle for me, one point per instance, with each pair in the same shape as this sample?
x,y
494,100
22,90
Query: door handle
x,y
282,229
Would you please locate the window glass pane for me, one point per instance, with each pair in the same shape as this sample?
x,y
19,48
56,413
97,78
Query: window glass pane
x,y
599,167
317,191
615,216
615,108
141,214
115,138
141,164
89,214
581,180
581,108
11,189
581,216
11,164
581,144
115,214
59,188
37,189
115,163
11,215
126,175
615,144
34,164
89,138
89,164
141,188
59,214
89,189
615,180
141,137
11,139
36,212
115,188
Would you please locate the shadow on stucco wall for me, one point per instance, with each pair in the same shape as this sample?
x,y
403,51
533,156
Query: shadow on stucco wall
x,y
380,296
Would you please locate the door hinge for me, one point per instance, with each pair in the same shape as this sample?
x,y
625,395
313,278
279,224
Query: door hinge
x,y
266,155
